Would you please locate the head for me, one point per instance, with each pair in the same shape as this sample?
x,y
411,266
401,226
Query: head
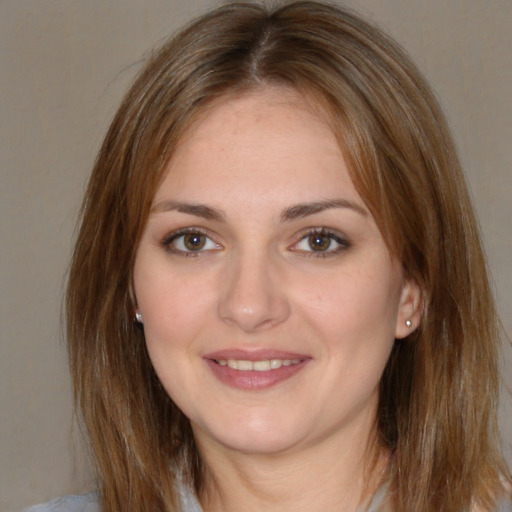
x,y
401,161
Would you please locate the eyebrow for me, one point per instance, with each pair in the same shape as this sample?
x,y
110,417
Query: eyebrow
x,y
293,212
304,209
199,210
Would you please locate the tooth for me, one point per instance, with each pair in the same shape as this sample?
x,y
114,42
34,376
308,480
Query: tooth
x,y
244,365
262,366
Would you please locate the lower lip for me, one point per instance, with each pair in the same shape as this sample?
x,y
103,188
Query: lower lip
x,y
252,379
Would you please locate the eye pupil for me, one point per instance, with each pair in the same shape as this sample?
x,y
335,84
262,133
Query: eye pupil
x,y
194,241
319,242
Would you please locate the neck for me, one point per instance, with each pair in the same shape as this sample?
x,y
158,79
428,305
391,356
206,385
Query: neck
x,y
316,478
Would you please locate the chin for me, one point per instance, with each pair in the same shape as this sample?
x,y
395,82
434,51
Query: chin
x,y
254,436
259,444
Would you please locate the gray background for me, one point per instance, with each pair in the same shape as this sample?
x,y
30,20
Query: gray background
x,y
63,67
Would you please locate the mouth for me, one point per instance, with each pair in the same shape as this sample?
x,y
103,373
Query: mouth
x,y
255,370
262,365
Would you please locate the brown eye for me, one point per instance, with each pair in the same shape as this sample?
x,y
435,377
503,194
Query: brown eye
x,y
319,242
190,242
194,241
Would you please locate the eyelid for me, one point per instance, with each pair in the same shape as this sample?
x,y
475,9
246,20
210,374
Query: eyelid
x,y
335,235
167,241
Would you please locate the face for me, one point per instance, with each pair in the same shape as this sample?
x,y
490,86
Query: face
x,y
270,302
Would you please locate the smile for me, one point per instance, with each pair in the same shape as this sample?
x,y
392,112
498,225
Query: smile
x,y
257,370
260,366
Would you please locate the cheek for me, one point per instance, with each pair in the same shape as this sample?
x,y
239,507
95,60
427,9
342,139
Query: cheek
x,y
174,312
169,304
353,302
354,317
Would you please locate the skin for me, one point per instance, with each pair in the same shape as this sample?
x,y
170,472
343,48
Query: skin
x,y
259,282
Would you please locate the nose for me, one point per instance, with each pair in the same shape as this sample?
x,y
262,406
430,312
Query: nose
x,y
253,295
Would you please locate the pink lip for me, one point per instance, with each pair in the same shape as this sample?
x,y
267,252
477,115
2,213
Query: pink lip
x,y
254,355
252,379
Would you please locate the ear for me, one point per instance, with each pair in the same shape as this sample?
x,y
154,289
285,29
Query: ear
x,y
410,309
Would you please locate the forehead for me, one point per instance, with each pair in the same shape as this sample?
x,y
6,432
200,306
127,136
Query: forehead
x,y
266,141
271,95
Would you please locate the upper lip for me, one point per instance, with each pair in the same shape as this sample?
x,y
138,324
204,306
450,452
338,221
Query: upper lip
x,y
254,355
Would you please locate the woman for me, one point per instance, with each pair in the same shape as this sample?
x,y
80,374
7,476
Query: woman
x,y
278,297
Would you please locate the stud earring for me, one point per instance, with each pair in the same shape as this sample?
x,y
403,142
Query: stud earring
x,y
408,323
138,317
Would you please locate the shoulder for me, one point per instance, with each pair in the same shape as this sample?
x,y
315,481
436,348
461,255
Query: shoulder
x,y
89,503
188,500
505,505
70,503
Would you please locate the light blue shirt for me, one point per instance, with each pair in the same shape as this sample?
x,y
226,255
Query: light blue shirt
x,y
189,503
89,503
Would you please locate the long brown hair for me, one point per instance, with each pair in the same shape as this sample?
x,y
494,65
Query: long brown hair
x,y
439,391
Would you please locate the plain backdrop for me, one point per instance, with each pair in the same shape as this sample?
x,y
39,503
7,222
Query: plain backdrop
x,y
64,65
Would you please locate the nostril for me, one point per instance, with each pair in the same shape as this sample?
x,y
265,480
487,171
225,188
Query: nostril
x,y
253,310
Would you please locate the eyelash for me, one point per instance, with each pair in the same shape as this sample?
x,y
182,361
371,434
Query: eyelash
x,y
343,244
169,240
